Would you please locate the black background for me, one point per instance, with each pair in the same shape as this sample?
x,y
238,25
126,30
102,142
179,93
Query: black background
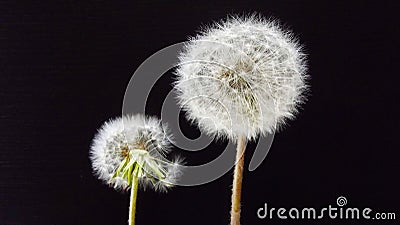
x,y
64,67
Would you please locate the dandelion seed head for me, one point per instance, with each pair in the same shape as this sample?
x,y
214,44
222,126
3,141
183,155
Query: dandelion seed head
x,y
243,76
128,142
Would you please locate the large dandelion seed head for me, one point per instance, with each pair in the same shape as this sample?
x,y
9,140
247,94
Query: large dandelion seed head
x,y
130,142
241,77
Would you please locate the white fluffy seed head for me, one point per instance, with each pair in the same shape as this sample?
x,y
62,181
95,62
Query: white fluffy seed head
x,y
241,77
135,139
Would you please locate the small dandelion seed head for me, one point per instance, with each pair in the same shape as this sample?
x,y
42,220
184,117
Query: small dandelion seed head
x,y
129,141
243,76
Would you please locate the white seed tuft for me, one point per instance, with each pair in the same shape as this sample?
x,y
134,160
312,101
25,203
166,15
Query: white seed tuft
x,y
135,140
241,77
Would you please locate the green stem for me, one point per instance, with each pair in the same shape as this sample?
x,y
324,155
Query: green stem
x,y
134,188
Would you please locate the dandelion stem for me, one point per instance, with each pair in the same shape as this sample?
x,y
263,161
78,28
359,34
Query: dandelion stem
x,y
134,188
237,181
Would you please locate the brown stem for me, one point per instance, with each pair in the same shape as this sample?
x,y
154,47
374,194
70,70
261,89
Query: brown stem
x,y
237,181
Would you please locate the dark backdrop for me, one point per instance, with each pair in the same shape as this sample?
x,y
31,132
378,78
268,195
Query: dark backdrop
x,y
64,67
